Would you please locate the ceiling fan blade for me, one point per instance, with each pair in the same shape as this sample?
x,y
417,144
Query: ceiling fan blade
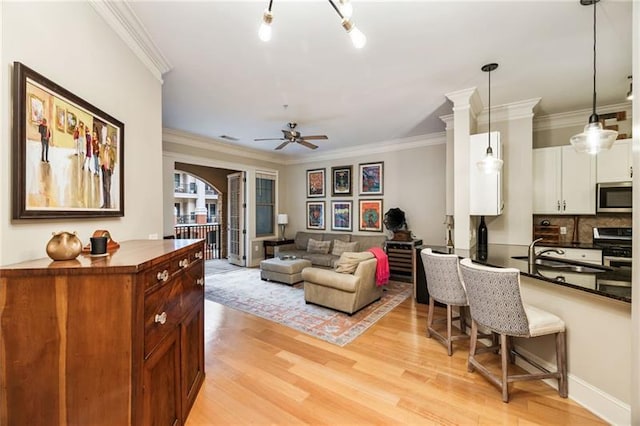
x,y
307,144
270,139
283,144
312,137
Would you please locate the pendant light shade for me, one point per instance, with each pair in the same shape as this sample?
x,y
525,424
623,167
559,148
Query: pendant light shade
x,y
489,164
594,138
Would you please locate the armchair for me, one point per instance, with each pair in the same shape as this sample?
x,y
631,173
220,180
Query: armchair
x,y
343,292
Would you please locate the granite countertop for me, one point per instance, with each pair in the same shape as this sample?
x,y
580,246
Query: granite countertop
x,y
614,283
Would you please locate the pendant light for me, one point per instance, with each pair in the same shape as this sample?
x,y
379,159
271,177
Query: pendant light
x,y
489,164
594,138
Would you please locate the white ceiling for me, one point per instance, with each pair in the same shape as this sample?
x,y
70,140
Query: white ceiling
x,y
225,81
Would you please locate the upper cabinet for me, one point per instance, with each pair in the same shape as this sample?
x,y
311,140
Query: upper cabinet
x,y
564,181
615,165
485,191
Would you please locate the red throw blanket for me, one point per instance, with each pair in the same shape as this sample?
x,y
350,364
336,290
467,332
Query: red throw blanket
x,y
382,269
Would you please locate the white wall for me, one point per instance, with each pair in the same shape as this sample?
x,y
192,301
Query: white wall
x,y
414,181
69,43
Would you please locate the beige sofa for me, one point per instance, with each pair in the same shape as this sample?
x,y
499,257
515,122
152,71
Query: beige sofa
x,y
340,291
327,260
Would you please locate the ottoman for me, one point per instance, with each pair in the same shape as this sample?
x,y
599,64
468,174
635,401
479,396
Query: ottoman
x,y
286,271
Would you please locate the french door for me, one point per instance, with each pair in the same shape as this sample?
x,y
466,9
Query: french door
x,y
236,215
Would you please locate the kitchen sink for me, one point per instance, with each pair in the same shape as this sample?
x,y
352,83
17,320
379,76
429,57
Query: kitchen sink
x,y
559,265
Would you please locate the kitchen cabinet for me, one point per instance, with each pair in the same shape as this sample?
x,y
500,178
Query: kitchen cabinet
x,y
485,190
112,340
564,181
615,164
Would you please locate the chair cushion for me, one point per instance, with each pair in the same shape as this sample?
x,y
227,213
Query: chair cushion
x,y
321,247
348,262
340,247
542,322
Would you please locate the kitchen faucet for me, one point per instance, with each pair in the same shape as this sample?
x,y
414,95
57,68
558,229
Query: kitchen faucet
x,y
533,255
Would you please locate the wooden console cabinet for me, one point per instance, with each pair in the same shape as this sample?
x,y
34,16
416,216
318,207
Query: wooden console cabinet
x,y
113,340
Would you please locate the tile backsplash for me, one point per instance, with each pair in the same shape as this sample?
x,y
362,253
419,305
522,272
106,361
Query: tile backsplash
x,y
585,224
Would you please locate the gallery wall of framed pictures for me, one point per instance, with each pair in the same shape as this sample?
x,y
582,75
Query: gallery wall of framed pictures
x,y
342,210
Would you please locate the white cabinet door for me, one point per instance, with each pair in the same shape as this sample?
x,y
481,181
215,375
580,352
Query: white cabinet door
x,y
485,191
547,180
578,182
614,165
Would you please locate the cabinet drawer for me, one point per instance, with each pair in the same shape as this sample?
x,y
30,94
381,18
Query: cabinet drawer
x,y
162,313
192,286
581,255
157,275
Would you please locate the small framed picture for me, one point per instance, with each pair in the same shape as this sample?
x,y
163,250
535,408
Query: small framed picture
x,y
315,183
371,178
315,215
341,215
341,181
370,215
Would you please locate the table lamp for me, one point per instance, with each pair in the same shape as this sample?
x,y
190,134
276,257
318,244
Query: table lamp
x,y
283,219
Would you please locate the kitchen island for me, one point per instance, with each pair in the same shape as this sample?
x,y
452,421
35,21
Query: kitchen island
x,y
598,324
612,282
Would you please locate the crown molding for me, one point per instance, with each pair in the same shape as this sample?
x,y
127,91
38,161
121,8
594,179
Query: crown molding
x,y
122,19
181,137
393,145
511,111
575,118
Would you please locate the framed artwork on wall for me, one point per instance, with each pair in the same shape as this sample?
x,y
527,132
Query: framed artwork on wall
x,y
68,156
370,215
341,181
371,178
315,183
315,215
341,215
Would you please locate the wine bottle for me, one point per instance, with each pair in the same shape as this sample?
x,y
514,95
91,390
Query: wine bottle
x,y
482,246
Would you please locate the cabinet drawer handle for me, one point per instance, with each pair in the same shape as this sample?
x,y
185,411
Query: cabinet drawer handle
x,y
163,276
564,205
631,171
161,318
199,255
200,281
558,205
184,263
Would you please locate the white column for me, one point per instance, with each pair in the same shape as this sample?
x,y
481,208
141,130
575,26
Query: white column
x,y
466,106
201,208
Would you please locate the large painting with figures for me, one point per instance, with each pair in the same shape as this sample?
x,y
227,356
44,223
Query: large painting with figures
x,y
68,155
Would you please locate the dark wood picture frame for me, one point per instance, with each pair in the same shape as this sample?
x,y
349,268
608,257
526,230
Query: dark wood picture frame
x,y
370,217
342,215
371,178
316,215
53,175
316,183
341,181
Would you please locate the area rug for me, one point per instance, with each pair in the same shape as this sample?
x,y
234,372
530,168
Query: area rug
x,y
245,291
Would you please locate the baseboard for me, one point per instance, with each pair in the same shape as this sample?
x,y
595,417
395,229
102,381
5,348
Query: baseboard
x,y
590,397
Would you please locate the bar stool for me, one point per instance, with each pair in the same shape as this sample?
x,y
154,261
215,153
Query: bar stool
x,y
445,286
495,303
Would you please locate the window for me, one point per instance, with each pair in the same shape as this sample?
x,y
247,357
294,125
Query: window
x,y
176,182
211,210
265,204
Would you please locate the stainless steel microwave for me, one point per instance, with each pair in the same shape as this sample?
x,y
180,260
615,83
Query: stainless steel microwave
x,y
616,197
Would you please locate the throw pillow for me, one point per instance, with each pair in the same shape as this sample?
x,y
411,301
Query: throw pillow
x,y
340,247
348,262
315,246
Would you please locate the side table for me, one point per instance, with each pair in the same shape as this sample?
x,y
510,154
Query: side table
x,y
268,246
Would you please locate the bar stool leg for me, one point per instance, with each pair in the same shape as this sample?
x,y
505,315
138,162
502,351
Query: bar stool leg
x,y
561,361
449,341
430,316
504,349
472,345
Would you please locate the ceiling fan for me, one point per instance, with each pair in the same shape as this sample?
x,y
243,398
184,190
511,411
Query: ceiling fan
x,y
291,135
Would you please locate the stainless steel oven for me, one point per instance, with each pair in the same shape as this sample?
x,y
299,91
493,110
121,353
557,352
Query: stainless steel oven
x,y
614,197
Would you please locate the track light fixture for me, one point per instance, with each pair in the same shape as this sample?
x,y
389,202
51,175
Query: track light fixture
x,y
489,164
594,138
344,11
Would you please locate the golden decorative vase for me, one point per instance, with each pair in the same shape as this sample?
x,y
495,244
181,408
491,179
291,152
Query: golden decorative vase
x,y
64,246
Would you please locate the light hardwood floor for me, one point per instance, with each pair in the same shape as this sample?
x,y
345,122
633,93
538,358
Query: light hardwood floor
x,y
260,372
